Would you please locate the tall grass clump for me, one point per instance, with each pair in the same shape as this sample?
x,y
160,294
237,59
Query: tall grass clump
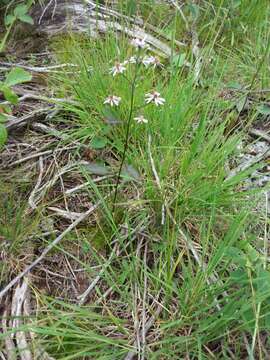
x,y
184,264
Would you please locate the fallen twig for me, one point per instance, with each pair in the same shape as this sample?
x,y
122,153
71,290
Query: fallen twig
x,y
17,312
9,344
259,134
247,164
131,354
15,123
70,215
38,69
32,195
83,297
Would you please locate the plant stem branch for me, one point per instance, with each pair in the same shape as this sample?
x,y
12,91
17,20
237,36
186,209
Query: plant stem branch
x,y
127,135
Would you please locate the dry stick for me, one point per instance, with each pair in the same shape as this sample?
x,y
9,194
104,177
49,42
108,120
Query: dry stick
x,y
105,12
2,356
39,180
30,157
14,122
42,153
131,354
82,186
69,167
259,134
66,214
18,299
83,297
46,8
48,249
247,164
32,96
39,69
9,344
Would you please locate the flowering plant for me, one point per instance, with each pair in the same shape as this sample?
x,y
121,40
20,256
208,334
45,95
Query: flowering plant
x,y
153,97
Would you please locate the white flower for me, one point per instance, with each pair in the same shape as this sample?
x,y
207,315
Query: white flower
x,y
118,68
148,60
112,100
151,60
133,59
141,119
139,43
155,97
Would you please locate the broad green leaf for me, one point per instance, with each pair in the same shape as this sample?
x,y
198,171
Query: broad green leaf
x,y
239,277
263,283
194,10
6,108
9,19
240,103
10,95
3,135
3,118
17,76
20,10
236,3
234,85
267,322
248,317
263,109
97,168
236,255
27,19
98,142
130,173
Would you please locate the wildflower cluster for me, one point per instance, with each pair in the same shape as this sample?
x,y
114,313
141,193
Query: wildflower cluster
x,y
148,61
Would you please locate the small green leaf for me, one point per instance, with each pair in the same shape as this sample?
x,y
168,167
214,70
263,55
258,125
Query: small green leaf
x,y
235,85
9,19
236,3
240,103
239,277
3,118
130,173
3,135
27,19
236,255
98,142
263,109
194,10
263,282
97,168
20,10
10,95
7,109
17,76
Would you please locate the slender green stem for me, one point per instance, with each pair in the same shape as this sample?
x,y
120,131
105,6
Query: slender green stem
x,y
133,84
4,40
